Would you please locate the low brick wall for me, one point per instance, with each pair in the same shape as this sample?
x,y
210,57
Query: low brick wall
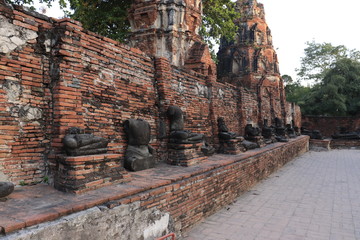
x,y
84,173
329,125
187,194
320,145
194,198
339,143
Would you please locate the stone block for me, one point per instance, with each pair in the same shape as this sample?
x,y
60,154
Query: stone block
x,y
319,145
84,173
185,154
232,146
259,140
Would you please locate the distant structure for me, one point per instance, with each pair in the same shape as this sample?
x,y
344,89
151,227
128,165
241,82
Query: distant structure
x,y
170,29
251,61
57,75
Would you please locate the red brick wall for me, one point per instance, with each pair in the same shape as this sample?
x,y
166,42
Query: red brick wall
x,y
297,115
328,125
293,112
191,93
68,77
25,103
102,84
192,199
226,103
85,80
249,107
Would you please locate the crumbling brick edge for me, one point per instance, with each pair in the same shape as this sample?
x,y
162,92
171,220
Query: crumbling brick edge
x,y
193,196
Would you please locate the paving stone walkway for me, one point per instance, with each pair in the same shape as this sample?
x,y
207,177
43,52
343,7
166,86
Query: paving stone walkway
x,y
316,196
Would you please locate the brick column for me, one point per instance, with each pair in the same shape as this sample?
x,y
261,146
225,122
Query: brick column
x,y
67,73
163,88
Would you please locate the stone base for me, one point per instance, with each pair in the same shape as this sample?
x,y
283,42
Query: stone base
x,y
345,143
270,140
185,154
259,140
139,164
202,190
232,146
319,145
6,188
85,173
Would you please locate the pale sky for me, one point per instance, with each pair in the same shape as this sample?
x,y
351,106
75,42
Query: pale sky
x,y
292,23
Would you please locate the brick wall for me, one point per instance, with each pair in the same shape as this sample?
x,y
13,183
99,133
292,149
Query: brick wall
x,y
185,195
63,76
293,112
56,75
226,103
249,107
328,125
190,200
25,98
101,84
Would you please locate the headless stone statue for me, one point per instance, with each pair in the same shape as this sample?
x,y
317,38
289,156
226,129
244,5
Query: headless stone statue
x,y
177,132
345,134
6,188
252,136
139,155
207,149
267,131
315,134
224,133
251,131
280,131
77,144
290,131
297,130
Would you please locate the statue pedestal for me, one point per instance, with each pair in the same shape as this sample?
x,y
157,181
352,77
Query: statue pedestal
x,y
316,144
185,154
232,146
85,173
259,140
270,140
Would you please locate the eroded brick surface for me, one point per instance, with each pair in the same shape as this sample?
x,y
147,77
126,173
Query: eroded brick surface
x,y
330,125
69,77
251,63
188,194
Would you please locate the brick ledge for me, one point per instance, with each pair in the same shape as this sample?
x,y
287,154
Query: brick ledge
x,y
32,205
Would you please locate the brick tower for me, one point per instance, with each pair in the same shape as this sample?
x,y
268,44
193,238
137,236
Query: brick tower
x,y
251,61
170,29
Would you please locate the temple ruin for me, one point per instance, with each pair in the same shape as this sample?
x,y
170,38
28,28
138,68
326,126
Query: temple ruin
x,y
71,101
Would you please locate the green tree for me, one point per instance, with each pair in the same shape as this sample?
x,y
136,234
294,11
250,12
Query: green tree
x,y
345,76
324,100
338,94
320,57
294,91
109,17
287,79
218,21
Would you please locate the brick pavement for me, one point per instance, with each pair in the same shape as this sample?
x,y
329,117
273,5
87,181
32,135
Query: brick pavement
x,y
316,196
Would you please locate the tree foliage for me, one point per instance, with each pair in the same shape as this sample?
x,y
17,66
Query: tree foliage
x,y
344,76
320,57
109,17
218,21
336,73
338,94
295,92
